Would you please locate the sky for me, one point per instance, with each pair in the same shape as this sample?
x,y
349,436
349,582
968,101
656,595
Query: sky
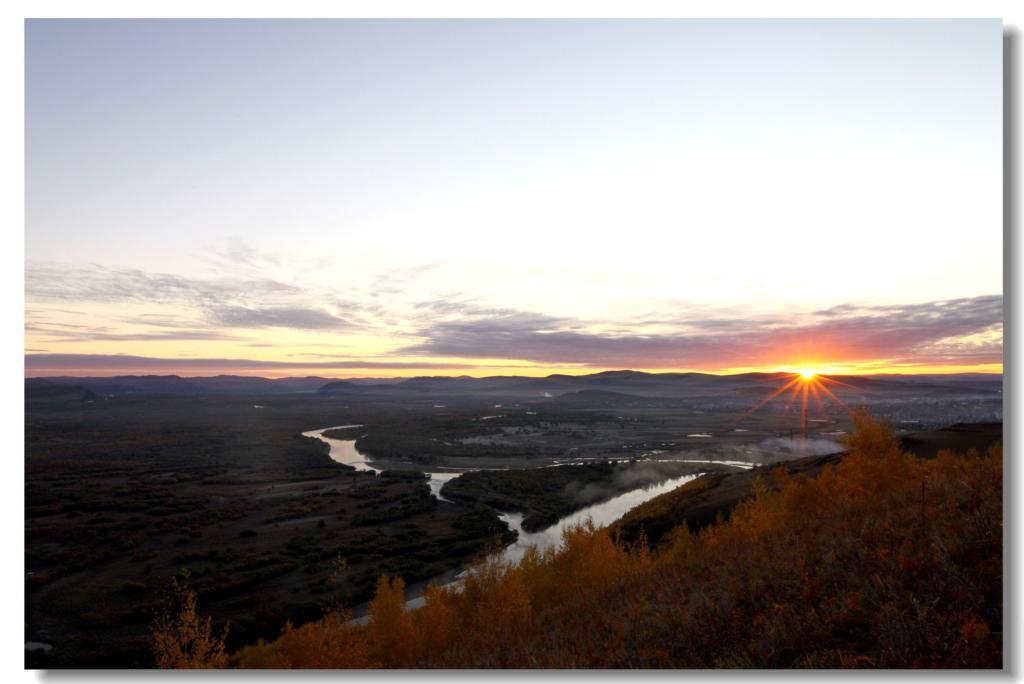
x,y
357,198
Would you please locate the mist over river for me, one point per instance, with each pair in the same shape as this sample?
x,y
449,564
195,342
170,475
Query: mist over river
x,y
344,451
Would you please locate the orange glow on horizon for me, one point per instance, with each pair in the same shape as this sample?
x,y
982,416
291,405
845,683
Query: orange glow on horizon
x,y
487,369
881,367
805,385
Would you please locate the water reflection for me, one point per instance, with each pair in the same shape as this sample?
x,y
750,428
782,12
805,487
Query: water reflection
x,y
344,451
603,513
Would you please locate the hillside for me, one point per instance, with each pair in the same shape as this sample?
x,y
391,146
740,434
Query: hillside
x,y
699,503
174,385
545,495
882,560
603,387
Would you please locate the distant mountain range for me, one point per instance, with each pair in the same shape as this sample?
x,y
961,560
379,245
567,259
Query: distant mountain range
x,y
218,385
605,388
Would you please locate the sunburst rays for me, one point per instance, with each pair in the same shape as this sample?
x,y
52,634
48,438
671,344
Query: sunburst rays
x,y
806,385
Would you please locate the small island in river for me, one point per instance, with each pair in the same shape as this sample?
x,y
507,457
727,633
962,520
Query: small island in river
x,y
545,495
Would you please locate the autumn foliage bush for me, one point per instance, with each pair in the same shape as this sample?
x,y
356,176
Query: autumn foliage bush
x,y
885,560
182,639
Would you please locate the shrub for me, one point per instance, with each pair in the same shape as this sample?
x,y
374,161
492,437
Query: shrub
x,y
185,640
884,560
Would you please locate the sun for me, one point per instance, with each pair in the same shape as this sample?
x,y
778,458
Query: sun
x,y
807,373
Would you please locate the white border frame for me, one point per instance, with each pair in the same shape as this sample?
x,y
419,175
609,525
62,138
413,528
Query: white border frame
x,y
12,268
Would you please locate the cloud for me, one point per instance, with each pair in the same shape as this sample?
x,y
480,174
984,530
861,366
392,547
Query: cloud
x,y
926,332
96,283
147,306
106,363
397,280
75,332
275,317
237,251
235,255
163,335
229,302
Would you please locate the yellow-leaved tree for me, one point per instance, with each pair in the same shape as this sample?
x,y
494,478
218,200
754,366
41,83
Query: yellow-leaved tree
x,y
394,641
184,640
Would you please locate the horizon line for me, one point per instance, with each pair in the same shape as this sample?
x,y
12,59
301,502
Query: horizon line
x,y
56,375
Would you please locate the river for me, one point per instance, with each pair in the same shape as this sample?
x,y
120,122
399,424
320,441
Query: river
x,y
344,451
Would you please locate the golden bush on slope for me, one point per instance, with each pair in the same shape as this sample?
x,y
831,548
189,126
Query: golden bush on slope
x,y
393,639
328,643
185,640
885,560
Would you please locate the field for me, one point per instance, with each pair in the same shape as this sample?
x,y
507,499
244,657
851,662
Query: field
x,y
545,495
125,495
880,559
128,489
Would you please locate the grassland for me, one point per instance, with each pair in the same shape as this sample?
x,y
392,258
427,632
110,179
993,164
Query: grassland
x,y
546,495
123,495
882,560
